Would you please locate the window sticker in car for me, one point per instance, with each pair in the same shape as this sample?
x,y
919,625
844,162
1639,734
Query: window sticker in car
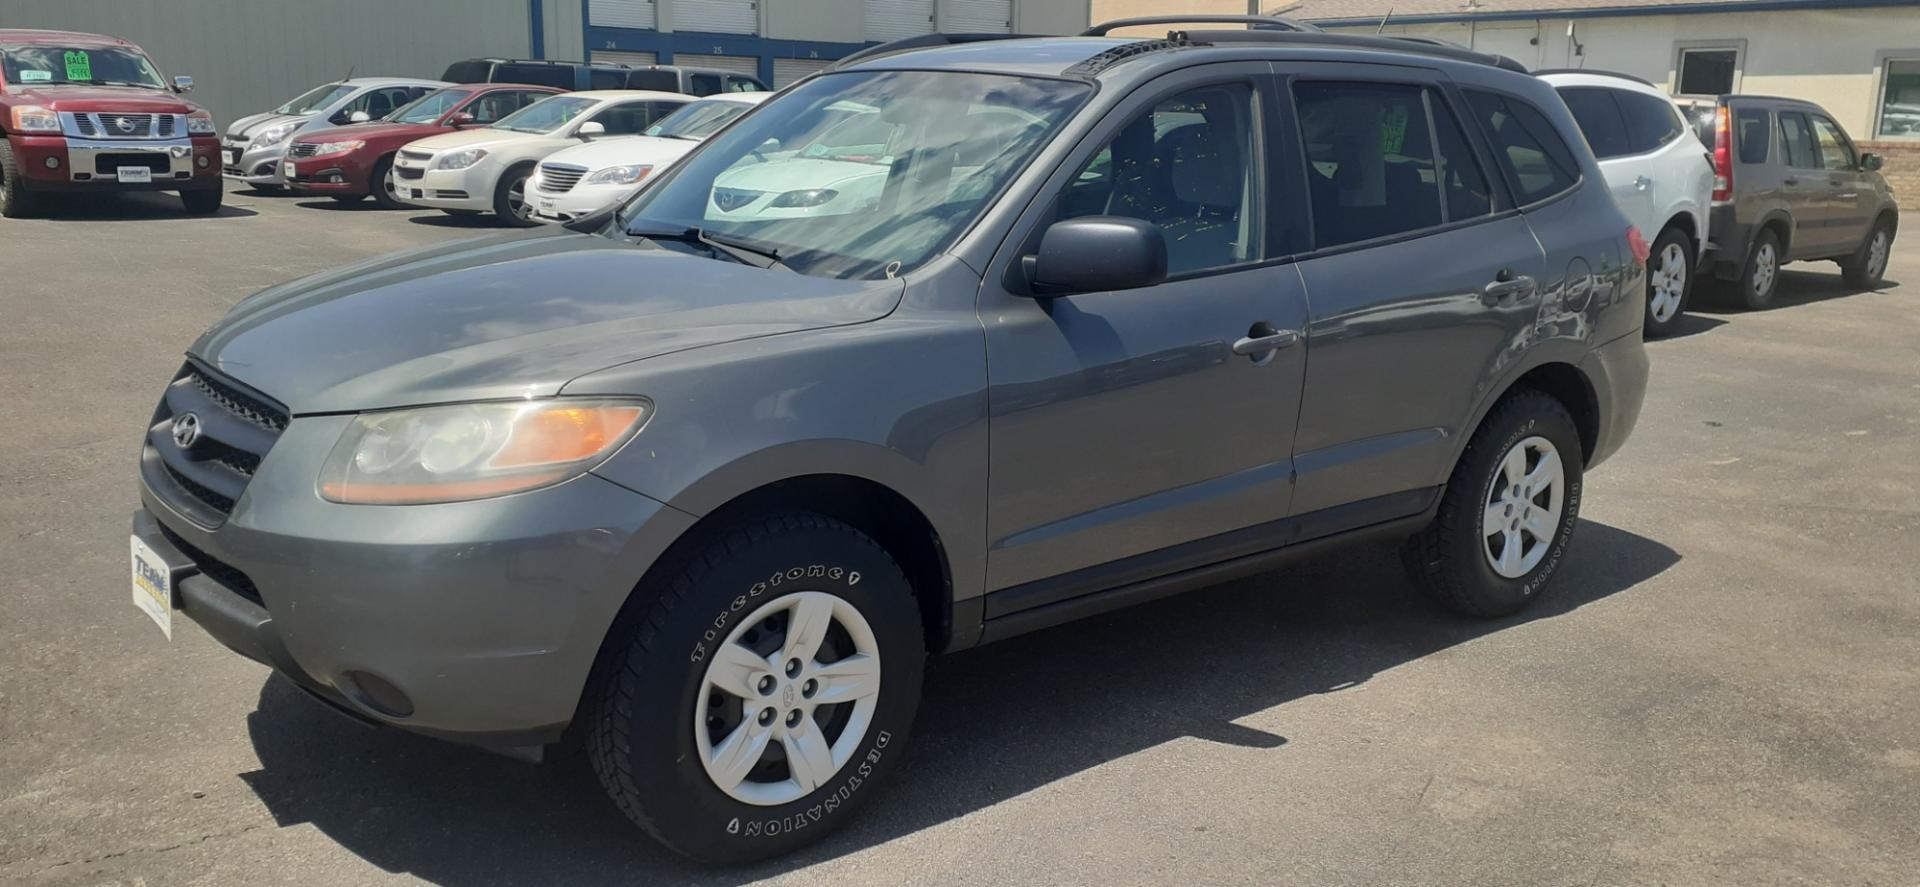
x,y
1393,128
35,76
79,65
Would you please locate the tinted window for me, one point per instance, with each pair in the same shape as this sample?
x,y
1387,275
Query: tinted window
x,y
1372,165
606,78
1836,151
1185,166
560,76
662,81
1651,120
1796,141
633,118
1753,132
704,84
1707,71
1536,161
1466,191
41,65
1600,120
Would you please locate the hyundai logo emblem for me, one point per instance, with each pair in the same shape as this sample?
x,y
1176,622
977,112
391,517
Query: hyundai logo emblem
x,y
186,430
126,124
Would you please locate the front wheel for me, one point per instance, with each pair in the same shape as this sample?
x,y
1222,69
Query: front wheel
x,y
1868,265
204,202
747,705
386,194
1508,511
1669,279
16,202
510,198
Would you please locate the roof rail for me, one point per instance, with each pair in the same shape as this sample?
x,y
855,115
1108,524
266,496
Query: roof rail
x,y
1437,49
1614,74
1262,22
921,41
1107,58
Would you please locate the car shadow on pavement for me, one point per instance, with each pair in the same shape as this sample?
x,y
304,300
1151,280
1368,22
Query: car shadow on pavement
x,y
1689,324
1026,712
134,207
476,221
1796,287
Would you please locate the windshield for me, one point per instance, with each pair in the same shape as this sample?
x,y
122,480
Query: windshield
x,y
315,100
52,65
697,120
546,115
859,174
429,107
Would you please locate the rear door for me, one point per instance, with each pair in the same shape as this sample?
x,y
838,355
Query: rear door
x,y
1629,170
1422,279
1804,187
1852,203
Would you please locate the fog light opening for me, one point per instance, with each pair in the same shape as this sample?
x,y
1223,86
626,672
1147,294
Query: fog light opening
x,y
202,161
53,163
376,693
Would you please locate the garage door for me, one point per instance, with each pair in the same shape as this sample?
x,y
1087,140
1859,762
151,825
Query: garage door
x,y
898,19
717,16
786,71
620,13
738,64
978,17
622,58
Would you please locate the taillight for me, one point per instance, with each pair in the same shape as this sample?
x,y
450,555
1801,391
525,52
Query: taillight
x,y
1722,154
1637,244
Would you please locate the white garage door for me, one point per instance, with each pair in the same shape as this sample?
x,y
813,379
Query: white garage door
x,y
978,17
717,16
898,19
738,64
622,58
620,13
786,71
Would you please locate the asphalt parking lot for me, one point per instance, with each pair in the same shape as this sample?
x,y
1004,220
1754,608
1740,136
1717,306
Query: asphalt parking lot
x,y
1723,686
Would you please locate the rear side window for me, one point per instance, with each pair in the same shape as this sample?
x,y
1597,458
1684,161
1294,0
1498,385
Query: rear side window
x,y
633,118
1753,131
560,76
1600,120
1796,141
704,84
1377,167
606,78
1651,121
1536,161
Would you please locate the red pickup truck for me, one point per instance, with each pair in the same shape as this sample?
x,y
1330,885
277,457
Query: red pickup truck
x,y
348,163
82,112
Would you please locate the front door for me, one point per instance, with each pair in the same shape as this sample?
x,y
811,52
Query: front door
x,y
1804,187
1852,201
1125,422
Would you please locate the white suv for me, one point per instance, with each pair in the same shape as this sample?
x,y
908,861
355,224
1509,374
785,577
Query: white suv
x,y
1659,173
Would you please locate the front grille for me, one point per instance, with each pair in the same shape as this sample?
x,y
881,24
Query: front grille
x,y
302,149
124,126
109,164
236,428
409,173
416,155
84,123
214,568
558,178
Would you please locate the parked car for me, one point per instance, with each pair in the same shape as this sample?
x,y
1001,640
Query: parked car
x,y
89,113
580,180
256,143
692,80
486,169
709,490
561,75
1789,186
351,163
1659,172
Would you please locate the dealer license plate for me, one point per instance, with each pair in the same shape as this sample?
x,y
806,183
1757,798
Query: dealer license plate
x,y
135,174
153,587
286,169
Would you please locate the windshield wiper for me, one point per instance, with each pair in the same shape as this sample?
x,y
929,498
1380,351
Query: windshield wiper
x,y
745,254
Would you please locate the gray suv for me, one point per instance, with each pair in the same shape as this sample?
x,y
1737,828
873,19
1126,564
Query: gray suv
x,y
945,345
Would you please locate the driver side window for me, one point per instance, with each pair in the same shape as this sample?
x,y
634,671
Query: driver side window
x,y
1187,166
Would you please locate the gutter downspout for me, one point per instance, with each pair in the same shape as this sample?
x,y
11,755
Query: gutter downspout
x,y
537,28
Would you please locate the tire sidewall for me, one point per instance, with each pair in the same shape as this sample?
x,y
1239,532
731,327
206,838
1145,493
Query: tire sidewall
x,y
1667,237
665,762
1758,300
1499,591
502,204
382,174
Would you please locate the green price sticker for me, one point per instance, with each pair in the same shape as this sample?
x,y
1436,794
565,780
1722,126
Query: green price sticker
x,y
1393,129
79,66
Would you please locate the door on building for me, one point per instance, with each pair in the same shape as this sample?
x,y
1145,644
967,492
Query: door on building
x,y
977,17
637,14
717,16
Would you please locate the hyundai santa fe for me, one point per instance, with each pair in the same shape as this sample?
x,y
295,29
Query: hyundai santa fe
x,y
1113,318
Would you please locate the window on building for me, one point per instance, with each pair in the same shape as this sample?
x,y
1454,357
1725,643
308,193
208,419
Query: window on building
x,y
1900,99
1708,71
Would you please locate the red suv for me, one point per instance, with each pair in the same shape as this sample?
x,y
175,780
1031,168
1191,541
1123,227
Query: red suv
x,y
348,163
82,112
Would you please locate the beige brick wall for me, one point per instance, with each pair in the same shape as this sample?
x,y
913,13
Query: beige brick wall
x,y
1902,167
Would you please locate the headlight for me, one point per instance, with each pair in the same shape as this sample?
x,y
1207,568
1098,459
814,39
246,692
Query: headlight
x,y
200,123
807,197
460,159
328,149
274,135
473,451
620,175
33,118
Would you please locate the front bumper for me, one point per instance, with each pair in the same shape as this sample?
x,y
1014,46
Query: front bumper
x,y
92,165
580,201
1618,371
469,189
486,616
331,174
243,161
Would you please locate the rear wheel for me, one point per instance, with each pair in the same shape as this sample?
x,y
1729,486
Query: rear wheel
x,y
1868,264
510,198
1669,280
203,202
384,194
1762,274
16,202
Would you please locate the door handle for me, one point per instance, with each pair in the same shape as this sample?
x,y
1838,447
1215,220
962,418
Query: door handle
x,y
1642,183
1507,284
1790,181
1264,338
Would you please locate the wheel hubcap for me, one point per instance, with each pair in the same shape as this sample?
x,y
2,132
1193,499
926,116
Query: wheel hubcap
x,y
1523,507
1669,283
517,198
1763,269
787,699
1877,254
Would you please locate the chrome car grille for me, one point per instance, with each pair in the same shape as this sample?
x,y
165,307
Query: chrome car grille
x,y
118,125
232,430
559,178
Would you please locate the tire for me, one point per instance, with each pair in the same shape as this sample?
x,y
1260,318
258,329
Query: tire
x,y
204,202
382,185
512,183
16,202
1761,276
1868,264
650,696
1669,282
1454,559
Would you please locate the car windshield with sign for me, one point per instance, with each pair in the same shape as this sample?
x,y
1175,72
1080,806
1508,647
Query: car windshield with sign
x,y
315,100
546,115
429,107
859,174
73,65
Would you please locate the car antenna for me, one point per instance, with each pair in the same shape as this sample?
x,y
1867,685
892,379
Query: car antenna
x,y
1383,21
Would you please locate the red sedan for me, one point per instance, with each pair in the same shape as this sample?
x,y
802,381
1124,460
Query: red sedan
x,y
349,163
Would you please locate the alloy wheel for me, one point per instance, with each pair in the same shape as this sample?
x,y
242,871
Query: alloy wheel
x,y
787,698
517,199
1765,265
1877,251
1523,507
1669,283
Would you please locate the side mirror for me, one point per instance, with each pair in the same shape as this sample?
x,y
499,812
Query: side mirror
x,y
460,120
183,84
1096,253
1870,162
359,117
591,129
768,145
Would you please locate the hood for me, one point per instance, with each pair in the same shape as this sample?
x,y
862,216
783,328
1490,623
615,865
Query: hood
x,y
797,172
245,127
622,151
382,132
512,315
471,138
135,99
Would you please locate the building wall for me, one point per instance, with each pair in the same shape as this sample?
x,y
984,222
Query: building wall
x,y
566,29
1051,16
250,55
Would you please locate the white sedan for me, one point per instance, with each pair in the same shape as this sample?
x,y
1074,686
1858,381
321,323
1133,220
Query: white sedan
x,y
486,169
580,180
